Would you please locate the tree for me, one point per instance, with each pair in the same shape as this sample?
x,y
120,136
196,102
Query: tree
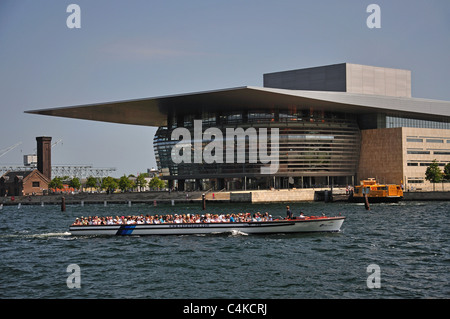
x,y
156,183
56,183
125,183
110,184
92,182
434,174
447,172
75,183
140,181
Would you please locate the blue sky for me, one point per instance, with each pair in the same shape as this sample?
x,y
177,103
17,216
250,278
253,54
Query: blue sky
x,y
135,49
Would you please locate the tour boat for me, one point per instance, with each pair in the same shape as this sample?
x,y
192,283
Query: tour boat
x,y
309,224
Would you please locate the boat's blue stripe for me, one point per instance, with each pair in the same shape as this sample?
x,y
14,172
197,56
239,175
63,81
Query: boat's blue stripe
x,y
125,230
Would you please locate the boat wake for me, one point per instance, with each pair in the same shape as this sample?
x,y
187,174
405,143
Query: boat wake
x,y
63,235
52,234
225,233
238,233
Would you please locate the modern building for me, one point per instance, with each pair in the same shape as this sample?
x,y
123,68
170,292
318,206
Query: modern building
x,y
334,125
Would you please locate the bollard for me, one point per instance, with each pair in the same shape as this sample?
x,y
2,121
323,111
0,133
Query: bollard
x,y
42,204
63,204
173,202
18,206
129,203
326,196
105,203
82,203
1,206
366,204
203,201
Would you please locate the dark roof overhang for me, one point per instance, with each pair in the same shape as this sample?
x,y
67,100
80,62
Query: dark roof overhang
x,y
154,111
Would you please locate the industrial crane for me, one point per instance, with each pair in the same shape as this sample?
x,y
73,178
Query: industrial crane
x,y
6,150
60,140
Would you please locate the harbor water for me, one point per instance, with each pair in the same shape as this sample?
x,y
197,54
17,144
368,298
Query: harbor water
x,y
408,244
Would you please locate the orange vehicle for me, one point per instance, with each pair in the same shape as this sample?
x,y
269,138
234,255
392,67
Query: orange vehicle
x,y
376,193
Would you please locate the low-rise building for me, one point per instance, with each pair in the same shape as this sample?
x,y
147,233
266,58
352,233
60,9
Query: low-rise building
x,y
19,183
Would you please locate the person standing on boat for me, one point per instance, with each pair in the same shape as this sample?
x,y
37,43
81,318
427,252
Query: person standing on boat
x,y
288,213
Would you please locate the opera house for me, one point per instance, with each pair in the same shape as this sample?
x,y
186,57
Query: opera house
x,y
335,125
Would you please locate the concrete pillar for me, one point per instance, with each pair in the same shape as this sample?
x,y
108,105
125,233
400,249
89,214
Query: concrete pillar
x,y
181,185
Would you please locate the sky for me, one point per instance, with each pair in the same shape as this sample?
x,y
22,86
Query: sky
x,y
131,49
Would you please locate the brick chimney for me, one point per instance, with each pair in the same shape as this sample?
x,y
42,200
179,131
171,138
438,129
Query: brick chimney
x,y
44,156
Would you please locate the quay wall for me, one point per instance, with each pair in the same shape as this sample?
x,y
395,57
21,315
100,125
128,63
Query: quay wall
x,y
100,198
424,196
254,196
276,196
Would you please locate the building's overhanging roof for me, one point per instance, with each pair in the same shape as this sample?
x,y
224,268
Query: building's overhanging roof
x,y
153,111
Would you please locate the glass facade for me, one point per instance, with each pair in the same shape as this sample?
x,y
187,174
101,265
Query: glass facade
x,y
392,120
397,121
315,148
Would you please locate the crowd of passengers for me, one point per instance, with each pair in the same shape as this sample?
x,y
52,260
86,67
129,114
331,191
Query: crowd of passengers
x,y
175,218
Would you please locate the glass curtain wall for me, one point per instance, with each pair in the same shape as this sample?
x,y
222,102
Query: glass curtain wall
x,y
316,148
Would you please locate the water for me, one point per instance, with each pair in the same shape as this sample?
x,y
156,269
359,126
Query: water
x,y
409,241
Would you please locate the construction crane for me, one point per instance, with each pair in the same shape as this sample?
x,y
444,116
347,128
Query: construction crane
x,y
58,141
6,150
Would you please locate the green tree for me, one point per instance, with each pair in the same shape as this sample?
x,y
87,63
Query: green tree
x,y
110,184
125,183
56,182
434,174
140,181
75,183
447,172
92,182
156,183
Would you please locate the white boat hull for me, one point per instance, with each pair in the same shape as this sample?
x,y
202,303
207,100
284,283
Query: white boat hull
x,y
310,225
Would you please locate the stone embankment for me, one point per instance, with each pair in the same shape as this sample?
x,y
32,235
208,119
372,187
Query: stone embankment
x,y
254,196
426,196
102,198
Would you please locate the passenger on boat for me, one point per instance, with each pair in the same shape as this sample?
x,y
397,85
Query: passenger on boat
x,y
176,218
288,213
